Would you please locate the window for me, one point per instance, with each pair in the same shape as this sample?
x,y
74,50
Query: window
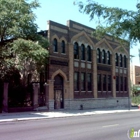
x,y
103,57
116,59
125,61
117,83
76,51
121,83
109,82
63,46
98,55
82,52
99,82
88,53
125,83
89,78
83,81
104,82
76,81
121,60
55,45
108,57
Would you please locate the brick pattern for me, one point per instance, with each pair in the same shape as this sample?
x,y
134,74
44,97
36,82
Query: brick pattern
x,y
81,34
137,75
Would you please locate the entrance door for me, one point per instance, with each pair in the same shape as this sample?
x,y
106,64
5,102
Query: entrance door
x,y
58,92
58,99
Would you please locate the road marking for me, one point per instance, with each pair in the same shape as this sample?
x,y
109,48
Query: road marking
x,y
111,125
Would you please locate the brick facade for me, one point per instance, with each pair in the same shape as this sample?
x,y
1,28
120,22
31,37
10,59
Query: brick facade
x,y
64,65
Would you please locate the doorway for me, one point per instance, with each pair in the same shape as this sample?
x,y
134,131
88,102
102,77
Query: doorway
x,y
58,92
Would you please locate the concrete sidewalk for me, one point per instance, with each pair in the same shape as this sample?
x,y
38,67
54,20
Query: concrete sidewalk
x,y
36,115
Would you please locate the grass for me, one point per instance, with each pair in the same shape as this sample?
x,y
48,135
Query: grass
x,y
135,100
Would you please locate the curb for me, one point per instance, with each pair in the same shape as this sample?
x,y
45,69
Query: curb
x,y
64,116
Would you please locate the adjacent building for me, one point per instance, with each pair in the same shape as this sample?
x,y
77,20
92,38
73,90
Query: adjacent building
x,y
84,72
135,75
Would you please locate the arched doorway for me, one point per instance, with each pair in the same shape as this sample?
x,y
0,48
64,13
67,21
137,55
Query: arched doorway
x,y
58,92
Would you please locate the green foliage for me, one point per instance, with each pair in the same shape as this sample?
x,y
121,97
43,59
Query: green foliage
x,y
135,90
119,23
135,100
19,40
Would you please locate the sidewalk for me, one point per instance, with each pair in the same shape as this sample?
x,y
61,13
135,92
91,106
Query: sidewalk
x,y
36,115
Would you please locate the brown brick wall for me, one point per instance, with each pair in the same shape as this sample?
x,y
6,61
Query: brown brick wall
x,y
72,30
137,75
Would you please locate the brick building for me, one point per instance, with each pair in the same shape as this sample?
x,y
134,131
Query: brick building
x,y
135,74
83,71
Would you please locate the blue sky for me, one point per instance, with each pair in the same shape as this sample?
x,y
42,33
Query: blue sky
x,y
63,10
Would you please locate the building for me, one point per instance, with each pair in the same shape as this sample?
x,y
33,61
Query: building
x,y
135,75
84,72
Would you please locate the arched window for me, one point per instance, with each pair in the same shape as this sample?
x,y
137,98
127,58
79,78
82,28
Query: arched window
x,y
55,45
108,57
125,61
82,52
116,59
98,55
63,46
103,57
88,53
121,60
76,51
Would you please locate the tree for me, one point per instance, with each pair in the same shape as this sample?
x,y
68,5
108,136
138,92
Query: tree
x,y
119,23
19,40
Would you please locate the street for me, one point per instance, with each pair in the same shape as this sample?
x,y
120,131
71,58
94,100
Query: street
x,y
94,127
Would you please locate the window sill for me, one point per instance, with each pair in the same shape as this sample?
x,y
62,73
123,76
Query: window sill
x,y
63,53
76,59
83,60
89,61
55,52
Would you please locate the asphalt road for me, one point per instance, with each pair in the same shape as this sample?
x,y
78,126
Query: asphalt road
x,y
95,127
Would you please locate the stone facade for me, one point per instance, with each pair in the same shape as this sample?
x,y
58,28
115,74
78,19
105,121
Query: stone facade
x,y
112,90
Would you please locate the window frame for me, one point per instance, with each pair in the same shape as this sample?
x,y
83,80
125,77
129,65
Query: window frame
x,y
89,81
104,82
109,82
99,83
125,83
76,50
121,83
98,55
76,81
89,53
125,61
108,57
103,56
83,81
82,52
117,83
55,45
63,47
117,59
121,60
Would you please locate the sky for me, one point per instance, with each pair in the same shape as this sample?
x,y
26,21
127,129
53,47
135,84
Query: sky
x,y
62,10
